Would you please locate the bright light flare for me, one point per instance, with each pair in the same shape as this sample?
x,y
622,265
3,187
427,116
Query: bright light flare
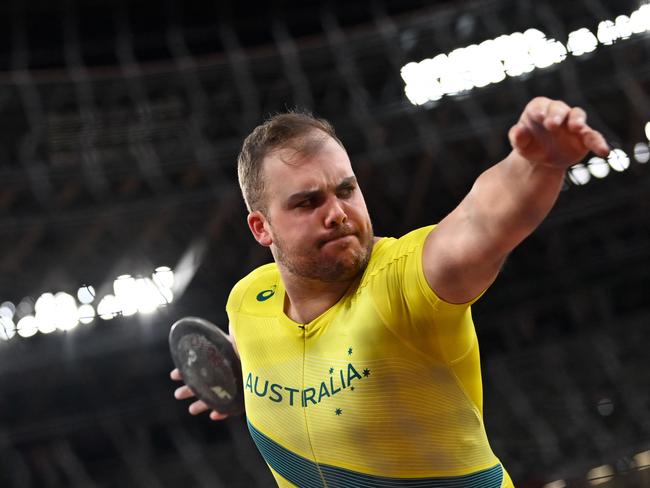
x,y
642,460
7,328
476,66
163,277
7,309
555,484
45,313
543,52
148,297
640,19
514,55
109,307
27,326
62,311
598,167
67,314
641,152
600,474
581,41
618,160
86,313
125,289
86,294
56,312
579,174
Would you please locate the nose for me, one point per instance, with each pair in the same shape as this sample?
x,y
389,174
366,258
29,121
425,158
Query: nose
x,y
335,214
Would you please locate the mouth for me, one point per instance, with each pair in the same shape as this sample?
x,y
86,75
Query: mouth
x,y
337,239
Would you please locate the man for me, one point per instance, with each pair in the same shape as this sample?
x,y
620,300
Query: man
x,y
359,355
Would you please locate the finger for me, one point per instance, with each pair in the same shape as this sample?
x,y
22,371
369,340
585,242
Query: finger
x,y
536,109
214,415
175,374
198,407
183,392
556,115
519,136
595,142
577,120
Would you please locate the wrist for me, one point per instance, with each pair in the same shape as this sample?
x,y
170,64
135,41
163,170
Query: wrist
x,y
537,167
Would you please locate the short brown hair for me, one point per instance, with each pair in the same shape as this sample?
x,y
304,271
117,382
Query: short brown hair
x,y
278,132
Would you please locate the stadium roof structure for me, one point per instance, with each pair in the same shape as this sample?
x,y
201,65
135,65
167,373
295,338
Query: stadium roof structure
x,y
120,127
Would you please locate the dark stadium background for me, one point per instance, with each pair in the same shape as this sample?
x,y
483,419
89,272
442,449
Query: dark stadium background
x,y
120,122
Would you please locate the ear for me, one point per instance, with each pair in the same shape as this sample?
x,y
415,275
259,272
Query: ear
x,y
260,228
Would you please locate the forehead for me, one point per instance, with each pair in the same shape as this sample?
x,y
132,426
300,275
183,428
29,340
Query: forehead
x,y
288,169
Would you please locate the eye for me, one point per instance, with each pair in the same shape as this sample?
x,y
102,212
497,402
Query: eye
x,y
345,192
304,204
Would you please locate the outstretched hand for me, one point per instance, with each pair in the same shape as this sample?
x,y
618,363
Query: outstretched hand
x,y
551,133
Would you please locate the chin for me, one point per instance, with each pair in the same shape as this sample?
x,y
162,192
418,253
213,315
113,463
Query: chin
x,y
348,269
330,265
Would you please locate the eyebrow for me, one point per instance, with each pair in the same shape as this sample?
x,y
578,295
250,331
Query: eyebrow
x,y
304,195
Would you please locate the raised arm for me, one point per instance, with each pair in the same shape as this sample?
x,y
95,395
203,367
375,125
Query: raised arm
x,y
464,253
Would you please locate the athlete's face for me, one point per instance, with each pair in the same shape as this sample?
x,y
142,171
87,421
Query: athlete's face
x,y
316,223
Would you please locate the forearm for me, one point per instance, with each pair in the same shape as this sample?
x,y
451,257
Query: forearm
x,y
509,200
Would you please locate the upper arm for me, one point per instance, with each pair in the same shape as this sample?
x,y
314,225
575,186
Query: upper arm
x,y
465,252
458,259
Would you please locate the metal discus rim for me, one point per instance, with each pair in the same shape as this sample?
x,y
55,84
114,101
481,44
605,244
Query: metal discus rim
x,y
208,363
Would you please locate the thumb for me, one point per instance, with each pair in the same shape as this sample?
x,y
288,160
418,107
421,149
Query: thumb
x,y
519,136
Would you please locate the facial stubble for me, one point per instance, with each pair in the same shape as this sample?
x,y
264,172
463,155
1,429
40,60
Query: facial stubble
x,y
312,264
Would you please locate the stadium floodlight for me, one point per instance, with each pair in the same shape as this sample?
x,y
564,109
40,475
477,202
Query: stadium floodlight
x,y
642,460
7,309
598,167
555,484
109,307
163,277
544,52
45,313
581,41
67,314
618,160
600,474
514,55
86,294
640,19
55,312
86,313
62,311
605,407
25,307
623,27
125,289
27,326
148,297
7,328
641,152
607,33
579,174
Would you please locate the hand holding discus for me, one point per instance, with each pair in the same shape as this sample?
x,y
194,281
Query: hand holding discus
x,y
206,361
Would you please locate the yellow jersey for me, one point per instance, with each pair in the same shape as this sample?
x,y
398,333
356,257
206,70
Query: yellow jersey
x,y
381,390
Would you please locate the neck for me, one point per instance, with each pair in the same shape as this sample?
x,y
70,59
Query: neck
x,y
307,298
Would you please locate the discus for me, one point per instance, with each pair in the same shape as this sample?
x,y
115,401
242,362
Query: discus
x,y
208,364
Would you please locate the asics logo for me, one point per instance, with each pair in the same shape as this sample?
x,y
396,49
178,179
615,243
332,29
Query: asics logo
x,y
265,294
